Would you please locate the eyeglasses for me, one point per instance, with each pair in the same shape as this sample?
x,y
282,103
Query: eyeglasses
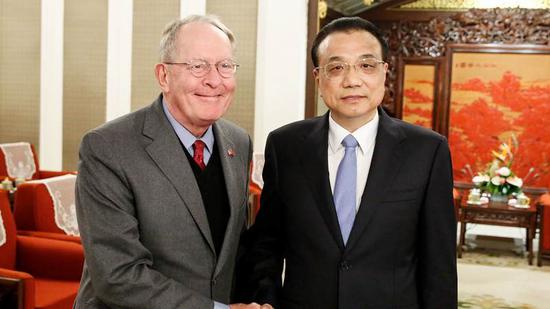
x,y
338,69
199,68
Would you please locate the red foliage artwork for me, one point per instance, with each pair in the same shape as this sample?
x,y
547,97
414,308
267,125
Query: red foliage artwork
x,y
489,111
418,95
422,115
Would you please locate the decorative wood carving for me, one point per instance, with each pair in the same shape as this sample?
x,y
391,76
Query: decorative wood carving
x,y
507,219
421,39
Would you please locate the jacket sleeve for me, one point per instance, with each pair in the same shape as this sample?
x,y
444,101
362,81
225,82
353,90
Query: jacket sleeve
x,y
259,272
119,265
437,276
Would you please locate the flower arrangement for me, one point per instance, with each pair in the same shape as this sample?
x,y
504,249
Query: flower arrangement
x,y
499,179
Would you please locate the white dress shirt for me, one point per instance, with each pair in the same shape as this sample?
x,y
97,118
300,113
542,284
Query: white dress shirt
x,y
365,136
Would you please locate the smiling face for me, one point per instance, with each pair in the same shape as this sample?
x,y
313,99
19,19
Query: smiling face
x,y
354,97
197,102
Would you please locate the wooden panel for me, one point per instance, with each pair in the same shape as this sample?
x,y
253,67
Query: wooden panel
x,y
419,92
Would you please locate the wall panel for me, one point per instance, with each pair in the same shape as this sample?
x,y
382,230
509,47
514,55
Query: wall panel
x,y
150,18
84,73
241,17
19,71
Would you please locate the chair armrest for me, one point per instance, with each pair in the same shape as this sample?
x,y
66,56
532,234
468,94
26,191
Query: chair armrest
x,y
49,258
50,174
49,235
24,283
544,199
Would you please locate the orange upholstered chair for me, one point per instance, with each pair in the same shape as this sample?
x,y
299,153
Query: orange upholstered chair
x,y
38,174
35,211
544,231
457,197
256,185
46,272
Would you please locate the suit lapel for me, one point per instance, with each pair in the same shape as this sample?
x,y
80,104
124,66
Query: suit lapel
x,y
166,151
386,162
314,159
232,162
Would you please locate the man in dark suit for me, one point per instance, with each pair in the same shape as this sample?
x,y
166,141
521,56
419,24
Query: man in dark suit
x,y
358,205
162,192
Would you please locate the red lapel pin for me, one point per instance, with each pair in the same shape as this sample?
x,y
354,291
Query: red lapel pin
x,y
231,152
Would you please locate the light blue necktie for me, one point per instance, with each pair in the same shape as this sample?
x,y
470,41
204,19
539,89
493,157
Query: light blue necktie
x,y
345,187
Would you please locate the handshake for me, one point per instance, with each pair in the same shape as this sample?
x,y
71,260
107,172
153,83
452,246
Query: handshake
x,y
250,306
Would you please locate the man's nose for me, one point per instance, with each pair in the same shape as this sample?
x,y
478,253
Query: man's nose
x,y
352,77
213,78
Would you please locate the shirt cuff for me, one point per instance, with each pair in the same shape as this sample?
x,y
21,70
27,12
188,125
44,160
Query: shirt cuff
x,y
220,305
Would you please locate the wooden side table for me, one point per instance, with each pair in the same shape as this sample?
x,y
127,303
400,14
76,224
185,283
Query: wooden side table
x,y
499,214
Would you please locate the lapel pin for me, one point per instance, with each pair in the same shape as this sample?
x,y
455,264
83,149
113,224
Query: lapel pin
x,y
231,152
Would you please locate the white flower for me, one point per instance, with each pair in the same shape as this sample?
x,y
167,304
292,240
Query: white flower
x,y
515,181
497,180
479,179
504,171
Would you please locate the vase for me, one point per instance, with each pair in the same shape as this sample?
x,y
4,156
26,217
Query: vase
x,y
499,198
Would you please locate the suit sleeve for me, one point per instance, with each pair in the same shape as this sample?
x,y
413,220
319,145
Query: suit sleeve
x,y
437,230
119,265
261,268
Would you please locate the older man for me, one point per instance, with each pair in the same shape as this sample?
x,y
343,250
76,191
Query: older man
x,y
358,204
162,192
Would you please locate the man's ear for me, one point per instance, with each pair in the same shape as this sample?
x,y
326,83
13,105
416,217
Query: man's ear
x,y
316,76
161,73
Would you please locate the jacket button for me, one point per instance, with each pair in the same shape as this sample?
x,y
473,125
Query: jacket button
x,y
344,265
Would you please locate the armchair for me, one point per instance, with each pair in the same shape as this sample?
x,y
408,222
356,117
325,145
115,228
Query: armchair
x,y
255,186
46,208
544,228
19,160
46,271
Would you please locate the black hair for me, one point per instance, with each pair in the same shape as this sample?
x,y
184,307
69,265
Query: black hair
x,y
347,24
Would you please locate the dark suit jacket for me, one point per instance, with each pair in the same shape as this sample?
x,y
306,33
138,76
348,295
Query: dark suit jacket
x,y
144,228
401,250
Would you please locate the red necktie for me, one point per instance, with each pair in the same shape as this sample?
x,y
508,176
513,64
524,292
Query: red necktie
x,y
198,155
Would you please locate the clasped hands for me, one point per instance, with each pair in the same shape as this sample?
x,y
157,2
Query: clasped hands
x,y
250,306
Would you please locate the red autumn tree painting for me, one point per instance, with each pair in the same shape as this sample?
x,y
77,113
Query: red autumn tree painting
x,y
418,85
493,98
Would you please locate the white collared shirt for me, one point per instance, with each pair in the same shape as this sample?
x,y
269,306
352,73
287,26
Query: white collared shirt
x,y
187,138
365,136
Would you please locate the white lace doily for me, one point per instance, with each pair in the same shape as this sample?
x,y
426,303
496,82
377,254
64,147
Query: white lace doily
x,y
2,231
61,190
257,169
19,160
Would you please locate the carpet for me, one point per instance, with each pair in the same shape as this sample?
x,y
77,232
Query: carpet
x,y
509,257
489,302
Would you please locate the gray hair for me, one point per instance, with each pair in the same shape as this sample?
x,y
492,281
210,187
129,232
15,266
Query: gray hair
x,y
169,35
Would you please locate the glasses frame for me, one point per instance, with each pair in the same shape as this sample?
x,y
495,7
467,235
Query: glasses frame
x,y
347,67
208,67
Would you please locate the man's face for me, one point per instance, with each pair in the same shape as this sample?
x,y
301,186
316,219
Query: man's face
x,y
354,95
197,102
